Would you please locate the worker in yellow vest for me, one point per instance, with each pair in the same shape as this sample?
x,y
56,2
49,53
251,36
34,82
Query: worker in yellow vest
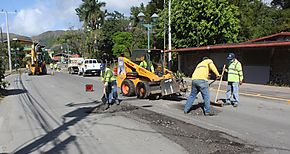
x,y
147,64
200,84
110,86
235,79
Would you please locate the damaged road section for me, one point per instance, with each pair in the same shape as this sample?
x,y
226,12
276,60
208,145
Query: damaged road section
x,y
192,138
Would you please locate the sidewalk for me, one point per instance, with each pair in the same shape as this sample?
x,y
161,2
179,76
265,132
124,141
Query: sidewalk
x,y
255,90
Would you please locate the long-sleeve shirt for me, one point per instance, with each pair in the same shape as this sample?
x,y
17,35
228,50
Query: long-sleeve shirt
x,y
202,70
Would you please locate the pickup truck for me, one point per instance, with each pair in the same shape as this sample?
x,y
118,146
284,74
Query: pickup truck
x,y
90,66
73,65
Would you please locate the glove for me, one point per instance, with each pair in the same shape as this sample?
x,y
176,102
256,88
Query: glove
x,y
218,77
106,84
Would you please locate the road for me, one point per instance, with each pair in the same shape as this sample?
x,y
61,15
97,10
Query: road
x,y
37,117
48,114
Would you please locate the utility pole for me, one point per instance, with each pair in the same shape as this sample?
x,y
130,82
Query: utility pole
x,y
8,38
1,35
169,34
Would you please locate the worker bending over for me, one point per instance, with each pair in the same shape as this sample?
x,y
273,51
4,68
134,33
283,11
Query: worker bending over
x,y
200,84
110,85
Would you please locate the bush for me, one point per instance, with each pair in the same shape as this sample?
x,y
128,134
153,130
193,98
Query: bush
x,y
4,84
2,69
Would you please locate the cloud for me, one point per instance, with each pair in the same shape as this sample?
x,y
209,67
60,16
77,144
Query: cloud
x,y
60,14
44,16
124,6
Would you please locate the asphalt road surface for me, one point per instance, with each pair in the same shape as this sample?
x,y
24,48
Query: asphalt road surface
x,y
49,114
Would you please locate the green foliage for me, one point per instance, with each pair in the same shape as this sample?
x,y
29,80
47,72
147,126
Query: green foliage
x,y
122,43
203,22
3,57
285,4
4,84
17,54
258,19
91,14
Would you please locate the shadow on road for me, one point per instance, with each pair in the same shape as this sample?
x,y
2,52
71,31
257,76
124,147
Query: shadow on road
x,y
52,136
43,117
9,92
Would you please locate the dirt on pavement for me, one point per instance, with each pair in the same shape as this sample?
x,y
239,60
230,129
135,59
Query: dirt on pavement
x,y
192,138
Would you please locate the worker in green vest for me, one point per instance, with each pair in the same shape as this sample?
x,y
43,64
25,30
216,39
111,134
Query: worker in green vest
x,y
147,64
110,86
235,79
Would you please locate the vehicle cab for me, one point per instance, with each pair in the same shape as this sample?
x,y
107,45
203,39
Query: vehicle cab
x,y
90,66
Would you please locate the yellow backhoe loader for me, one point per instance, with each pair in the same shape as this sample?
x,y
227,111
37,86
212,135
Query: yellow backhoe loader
x,y
135,80
37,65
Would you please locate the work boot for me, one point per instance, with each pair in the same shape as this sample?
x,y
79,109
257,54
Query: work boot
x,y
227,103
117,102
209,114
107,106
235,105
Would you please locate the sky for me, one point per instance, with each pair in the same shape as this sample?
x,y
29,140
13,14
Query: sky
x,y
37,16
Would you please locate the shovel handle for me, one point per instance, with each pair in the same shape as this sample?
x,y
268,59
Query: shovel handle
x,y
221,79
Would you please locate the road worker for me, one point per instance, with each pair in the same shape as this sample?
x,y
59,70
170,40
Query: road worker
x,y
147,64
235,79
51,66
110,85
200,84
114,93
55,66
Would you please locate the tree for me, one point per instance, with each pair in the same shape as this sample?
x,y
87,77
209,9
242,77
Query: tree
x,y
203,22
91,14
3,56
258,19
285,4
122,43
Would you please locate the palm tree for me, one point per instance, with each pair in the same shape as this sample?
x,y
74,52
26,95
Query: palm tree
x,y
91,14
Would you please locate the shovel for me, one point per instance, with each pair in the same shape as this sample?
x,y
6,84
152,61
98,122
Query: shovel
x,y
216,100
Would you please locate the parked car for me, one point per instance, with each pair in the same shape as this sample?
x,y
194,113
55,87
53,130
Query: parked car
x,y
90,66
73,65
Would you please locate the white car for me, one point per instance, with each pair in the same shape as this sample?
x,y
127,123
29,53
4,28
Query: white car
x,y
73,65
90,66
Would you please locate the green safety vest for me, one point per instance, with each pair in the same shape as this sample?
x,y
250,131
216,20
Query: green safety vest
x,y
235,71
108,75
145,65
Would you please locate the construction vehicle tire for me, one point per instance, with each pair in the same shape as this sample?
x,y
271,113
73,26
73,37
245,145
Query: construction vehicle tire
x,y
128,88
142,90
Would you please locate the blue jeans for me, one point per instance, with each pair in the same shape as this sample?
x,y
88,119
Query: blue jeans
x,y
233,90
196,87
113,95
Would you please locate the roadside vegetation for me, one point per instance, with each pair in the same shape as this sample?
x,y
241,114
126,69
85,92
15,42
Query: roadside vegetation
x,y
194,23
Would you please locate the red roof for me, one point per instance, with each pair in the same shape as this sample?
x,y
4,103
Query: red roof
x,y
269,36
248,44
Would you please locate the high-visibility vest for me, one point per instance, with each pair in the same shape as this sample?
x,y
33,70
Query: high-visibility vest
x,y
235,71
108,75
201,71
147,66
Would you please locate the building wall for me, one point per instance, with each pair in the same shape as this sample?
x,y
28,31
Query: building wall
x,y
255,62
280,66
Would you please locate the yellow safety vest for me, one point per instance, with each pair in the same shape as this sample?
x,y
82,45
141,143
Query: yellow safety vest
x,y
235,71
145,65
201,71
108,75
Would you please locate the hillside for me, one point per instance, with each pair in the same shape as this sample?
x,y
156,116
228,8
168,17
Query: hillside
x,y
12,35
48,37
